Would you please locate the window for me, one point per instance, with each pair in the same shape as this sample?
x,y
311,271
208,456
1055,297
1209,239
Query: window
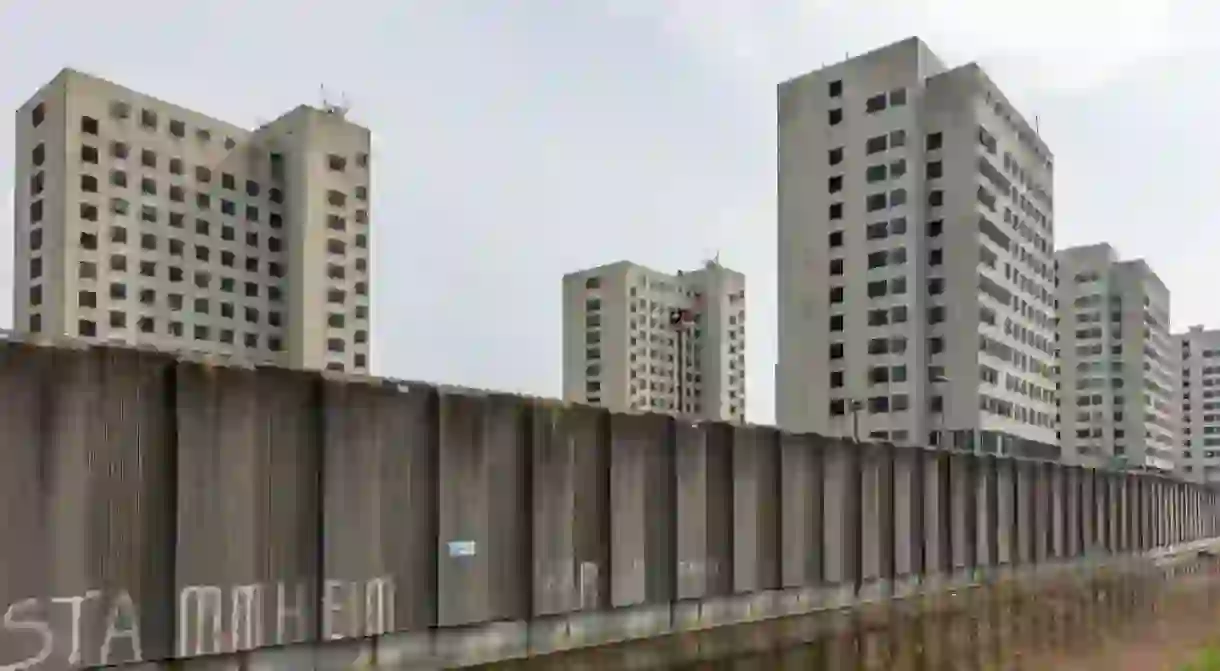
x,y
836,350
875,103
935,141
228,181
148,186
836,322
335,295
118,263
146,324
935,228
252,188
203,201
202,174
835,88
898,97
176,194
86,299
836,239
36,267
118,234
251,213
202,226
336,198
875,173
275,196
835,156
36,239
898,138
835,184
362,216
38,115
836,266
148,268
87,328
118,291
148,158
35,323
148,119
898,168
936,314
88,240
148,241
88,125
88,183
36,212
875,145
936,256
838,407
362,193
835,117
836,379
876,231
875,202
836,211
276,220
836,294
336,163
175,166
936,286
898,197
39,154
119,150
228,207
88,154
936,198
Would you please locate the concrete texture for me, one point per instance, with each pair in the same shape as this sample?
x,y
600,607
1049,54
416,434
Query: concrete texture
x,y
157,509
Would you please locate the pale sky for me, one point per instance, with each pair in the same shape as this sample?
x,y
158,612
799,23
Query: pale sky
x,y
518,140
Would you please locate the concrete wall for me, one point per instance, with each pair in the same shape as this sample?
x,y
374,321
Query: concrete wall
x,y
155,509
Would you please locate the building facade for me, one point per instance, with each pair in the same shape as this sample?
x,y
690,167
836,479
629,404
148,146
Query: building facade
x,y
140,222
1199,366
915,259
1118,364
643,340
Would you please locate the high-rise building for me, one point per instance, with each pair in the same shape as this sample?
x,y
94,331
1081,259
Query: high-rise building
x,y
1199,368
1118,365
638,339
141,222
915,260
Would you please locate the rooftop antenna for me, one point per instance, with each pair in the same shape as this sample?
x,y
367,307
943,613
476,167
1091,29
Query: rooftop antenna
x,y
1037,126
337,109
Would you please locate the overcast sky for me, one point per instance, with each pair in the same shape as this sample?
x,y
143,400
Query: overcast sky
x,y
515,140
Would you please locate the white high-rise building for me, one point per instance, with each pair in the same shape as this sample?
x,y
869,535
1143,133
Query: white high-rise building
x,y
1118,363
144,223
638,339
1199,367
916,272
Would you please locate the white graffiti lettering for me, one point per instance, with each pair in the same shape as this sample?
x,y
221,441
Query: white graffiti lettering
x,y
211,620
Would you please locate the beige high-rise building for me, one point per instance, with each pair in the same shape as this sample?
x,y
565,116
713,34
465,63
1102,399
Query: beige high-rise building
x,y
915,257
638,339
1118,364
141,222
1199,367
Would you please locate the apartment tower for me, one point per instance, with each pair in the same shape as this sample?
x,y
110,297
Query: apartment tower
x,y
1199,365
1118,364
635,339
916,242
140,222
